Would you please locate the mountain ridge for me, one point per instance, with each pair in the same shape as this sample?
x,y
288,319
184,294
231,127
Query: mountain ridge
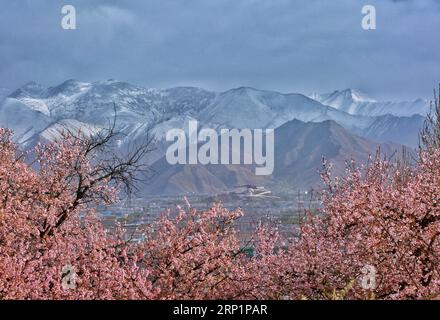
x,y
35,113
243,107
299,150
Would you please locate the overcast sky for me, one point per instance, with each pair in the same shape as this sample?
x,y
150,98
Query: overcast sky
x,y
285,45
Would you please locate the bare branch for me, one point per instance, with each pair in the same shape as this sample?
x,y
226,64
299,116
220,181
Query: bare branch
x,y
110,165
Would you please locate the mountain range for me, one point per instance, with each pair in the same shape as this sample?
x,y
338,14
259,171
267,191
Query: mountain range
x,y
339,125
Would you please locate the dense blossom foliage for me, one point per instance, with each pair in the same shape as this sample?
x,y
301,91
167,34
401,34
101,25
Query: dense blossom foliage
x,y
41,230
385,216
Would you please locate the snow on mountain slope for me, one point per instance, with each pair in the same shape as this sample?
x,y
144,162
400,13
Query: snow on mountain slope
x,y
53,132
238,108
94,102
145,131
141,111
252,108
30,89
186,100
356,103
25,120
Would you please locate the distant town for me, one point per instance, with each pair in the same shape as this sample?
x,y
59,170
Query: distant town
x,y
258,203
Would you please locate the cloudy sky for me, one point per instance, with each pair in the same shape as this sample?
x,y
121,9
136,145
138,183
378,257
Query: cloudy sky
x,y
285,45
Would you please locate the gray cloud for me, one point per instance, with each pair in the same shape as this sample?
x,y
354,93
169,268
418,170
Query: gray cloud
x,y
286,45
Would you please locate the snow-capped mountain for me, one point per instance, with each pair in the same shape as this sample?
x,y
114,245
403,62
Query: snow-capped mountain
x,y
26,121
88,102
252,108
38,113
357,103
138,108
